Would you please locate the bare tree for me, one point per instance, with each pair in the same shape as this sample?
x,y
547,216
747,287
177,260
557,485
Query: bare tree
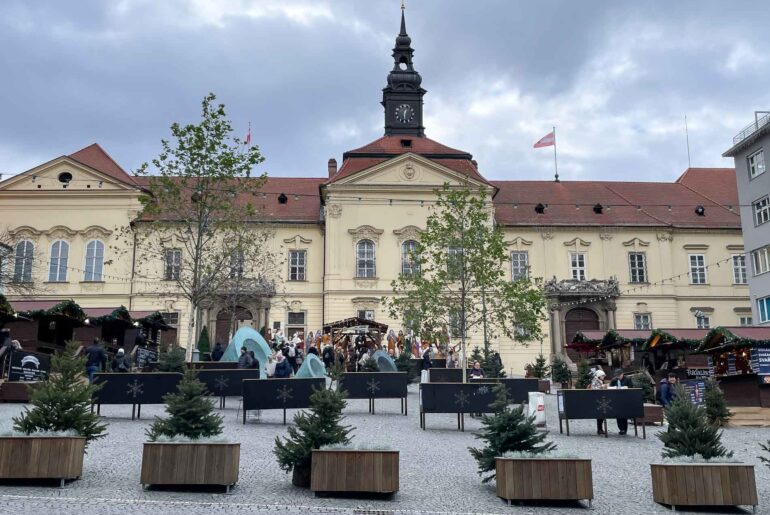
x,y
19,267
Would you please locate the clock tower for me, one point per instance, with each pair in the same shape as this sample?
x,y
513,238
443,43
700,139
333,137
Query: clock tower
x,y
402,97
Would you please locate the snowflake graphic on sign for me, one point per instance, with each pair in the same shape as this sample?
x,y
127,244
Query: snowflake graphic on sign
x,y
135,389
372,386
285,394
220,383
461,399
483,390
603,405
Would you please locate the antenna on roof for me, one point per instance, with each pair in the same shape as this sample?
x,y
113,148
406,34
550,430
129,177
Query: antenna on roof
x,y
687,137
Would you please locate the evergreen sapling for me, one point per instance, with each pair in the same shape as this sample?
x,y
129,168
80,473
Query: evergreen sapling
x,y
507,429
540,368
190,411
559,370
204,345
689,433
62,402
643,381
369,365
321,426
716,407
172,360
584,374
765,448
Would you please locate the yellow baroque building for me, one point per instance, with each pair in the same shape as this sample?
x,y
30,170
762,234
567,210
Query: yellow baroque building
x,y
612,254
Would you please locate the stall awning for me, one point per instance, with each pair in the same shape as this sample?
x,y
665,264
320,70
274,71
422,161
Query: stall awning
x,y
619,337
723,338
96,315
683,337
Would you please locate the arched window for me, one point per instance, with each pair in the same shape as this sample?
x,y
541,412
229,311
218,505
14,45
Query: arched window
x,y
94,260
365,259
57,268
409,262
25,254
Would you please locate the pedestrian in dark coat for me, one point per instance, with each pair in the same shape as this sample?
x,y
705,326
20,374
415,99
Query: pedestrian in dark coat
x,y
95,359
120,362
217,353
282,367
621,381
666,390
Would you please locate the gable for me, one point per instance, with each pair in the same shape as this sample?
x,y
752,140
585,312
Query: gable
x,y
408,170
49,177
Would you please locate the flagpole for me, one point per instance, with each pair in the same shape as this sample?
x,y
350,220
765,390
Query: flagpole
x,y
555,164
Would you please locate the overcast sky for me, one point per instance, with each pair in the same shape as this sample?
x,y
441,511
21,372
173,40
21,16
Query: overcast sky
x,y
615,77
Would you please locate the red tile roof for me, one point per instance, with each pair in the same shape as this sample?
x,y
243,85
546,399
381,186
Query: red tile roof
x,y
419,145
624,203
95,157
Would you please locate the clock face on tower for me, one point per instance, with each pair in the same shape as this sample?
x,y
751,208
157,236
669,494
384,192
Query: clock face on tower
x,y
404,113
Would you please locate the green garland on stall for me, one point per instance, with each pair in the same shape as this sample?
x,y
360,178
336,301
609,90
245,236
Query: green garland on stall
x,y
67,309
154,320
670,338
119,314
612,337
730,339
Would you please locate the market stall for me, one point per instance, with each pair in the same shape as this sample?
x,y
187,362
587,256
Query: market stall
x,y
672,350
739,357
621,348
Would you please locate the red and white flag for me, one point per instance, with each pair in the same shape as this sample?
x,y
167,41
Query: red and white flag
x,y
548,140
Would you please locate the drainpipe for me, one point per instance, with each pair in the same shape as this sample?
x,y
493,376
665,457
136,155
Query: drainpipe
x,y
133,271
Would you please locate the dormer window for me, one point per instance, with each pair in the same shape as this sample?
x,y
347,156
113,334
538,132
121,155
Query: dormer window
x,y
282,198
406,143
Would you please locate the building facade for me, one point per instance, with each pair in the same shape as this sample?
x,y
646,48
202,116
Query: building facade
x,y
612,254
754,196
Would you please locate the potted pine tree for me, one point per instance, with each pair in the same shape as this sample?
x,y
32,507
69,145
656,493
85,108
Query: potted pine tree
x,y
50,439
560,372
539,369
515,449
320,427
714,402
183,449
699,471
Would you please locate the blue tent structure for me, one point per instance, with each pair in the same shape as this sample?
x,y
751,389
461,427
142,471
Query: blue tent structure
x,y
253,341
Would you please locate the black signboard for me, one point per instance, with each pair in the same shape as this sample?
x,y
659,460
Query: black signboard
x,y
696,389
226,383
376,385
460,398
213,365
518,389
135,388
292,393
760,363
29,366
144,356
731,369
698,372
445,375
600,404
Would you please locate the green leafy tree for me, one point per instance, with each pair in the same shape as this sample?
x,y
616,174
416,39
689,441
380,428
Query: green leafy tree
x,y
714,402
584,374
172,360
203,340
322,426
459,279
199,192
539,368
63,401
643,381
689,433
559,370
508,429
190,412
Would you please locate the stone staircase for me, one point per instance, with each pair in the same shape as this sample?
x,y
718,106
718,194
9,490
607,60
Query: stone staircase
x,y
749,417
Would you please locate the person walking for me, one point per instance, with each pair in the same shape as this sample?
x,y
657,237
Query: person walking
x,y
621,381
270,369
245,361
597,383
328,356
451,361
95,359
120,362
282,367
666,389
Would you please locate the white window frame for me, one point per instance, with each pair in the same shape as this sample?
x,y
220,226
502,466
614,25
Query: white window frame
x,y
639,320
761,210
298,265
57,265
577,265
22,265
755,163
93,269
164,314
634,268
740,273
366,259
409,266
172,262
368,314
760,260
519,265
698,271
745,321
703,322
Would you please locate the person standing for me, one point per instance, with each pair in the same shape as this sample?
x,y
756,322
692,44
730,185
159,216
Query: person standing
x,y
245,361
95,359
621,381
666,389
216,354
451,362
120,362
282,367
597,383
476,372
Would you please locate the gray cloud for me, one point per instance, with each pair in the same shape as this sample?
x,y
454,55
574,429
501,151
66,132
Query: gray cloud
x,y
616,78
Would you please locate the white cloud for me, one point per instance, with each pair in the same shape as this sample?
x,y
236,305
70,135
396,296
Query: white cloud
x,y
743,57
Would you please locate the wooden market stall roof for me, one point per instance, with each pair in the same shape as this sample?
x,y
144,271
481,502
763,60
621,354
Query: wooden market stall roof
x,y
41,307
723,338
685,337
355,322
594,339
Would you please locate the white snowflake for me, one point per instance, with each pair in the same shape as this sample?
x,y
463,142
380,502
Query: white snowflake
x,y
372,386
461,399
285,394
135,389
603,405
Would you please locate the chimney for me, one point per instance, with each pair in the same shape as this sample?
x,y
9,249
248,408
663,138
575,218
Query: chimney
x,y
332,167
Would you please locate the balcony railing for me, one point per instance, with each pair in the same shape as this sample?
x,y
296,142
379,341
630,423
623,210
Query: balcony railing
x,y
759,122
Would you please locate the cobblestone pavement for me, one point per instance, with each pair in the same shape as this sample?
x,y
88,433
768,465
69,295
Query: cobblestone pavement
x,y
438,474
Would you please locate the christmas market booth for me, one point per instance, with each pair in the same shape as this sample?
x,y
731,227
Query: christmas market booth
x,y
585,346
621,348
739,357
358,331
673,350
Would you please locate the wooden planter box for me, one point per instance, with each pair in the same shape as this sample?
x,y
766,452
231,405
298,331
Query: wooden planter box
x,y
704,484
42,457
544,386
544,479
190,464
342,470
653,414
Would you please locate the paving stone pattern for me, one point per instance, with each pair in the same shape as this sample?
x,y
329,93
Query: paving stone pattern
x,y
438,474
